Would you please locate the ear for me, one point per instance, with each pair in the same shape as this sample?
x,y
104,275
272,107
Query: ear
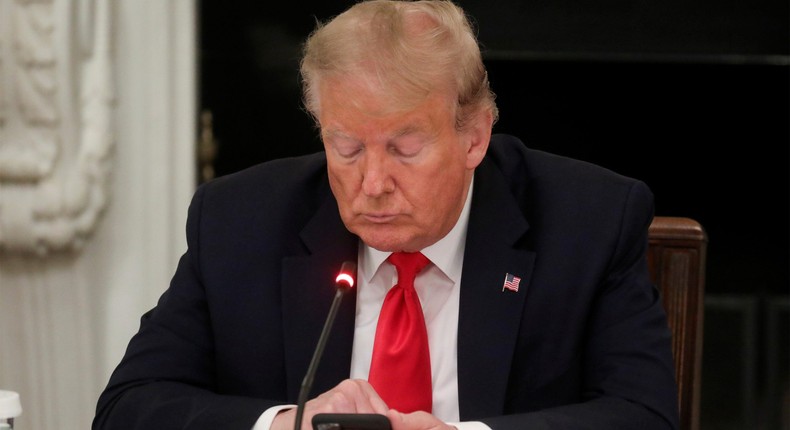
x,y
478,136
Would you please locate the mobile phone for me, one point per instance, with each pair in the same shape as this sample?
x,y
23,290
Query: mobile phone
x,y
351,422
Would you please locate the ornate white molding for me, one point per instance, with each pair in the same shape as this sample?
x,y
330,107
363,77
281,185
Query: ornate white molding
x,y
56,98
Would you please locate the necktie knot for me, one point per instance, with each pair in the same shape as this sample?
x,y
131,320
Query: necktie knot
x,y
408,265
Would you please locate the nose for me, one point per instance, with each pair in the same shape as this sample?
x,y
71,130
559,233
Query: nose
x,y
377,177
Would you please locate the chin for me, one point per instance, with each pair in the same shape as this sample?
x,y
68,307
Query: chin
x,y
383,245
385,240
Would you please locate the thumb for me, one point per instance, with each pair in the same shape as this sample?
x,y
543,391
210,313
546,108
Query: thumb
x,y
414,421
397,420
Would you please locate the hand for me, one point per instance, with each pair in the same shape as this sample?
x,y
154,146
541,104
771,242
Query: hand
x,y
348,397
416,421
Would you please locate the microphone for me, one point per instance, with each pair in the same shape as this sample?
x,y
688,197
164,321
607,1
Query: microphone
x,y
344,282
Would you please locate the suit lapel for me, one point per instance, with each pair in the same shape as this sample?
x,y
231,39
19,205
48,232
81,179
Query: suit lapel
x,y
307,294
489,317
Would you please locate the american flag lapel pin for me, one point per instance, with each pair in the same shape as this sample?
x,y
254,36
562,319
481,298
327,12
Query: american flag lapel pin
x,y
511,283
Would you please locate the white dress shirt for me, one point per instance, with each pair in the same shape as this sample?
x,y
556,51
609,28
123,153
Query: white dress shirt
x,y
438,287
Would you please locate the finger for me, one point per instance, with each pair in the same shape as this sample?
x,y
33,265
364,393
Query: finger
x,y
396,419
359,395
415,421
349,396
373,402
336,400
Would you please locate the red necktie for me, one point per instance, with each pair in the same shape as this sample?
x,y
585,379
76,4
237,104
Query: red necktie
x,y
400,369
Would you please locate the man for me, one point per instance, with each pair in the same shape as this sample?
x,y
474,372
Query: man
x,y
534,287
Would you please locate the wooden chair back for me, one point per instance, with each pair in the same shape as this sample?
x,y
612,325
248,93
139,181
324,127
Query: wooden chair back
x,y
676,259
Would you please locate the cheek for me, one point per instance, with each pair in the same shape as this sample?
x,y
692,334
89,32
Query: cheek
x,y
434,191
344,183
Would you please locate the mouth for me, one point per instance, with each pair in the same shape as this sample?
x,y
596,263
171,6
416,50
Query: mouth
x,y
379,218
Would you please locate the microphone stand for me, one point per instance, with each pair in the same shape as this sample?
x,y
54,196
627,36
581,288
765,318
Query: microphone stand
x,y
344,282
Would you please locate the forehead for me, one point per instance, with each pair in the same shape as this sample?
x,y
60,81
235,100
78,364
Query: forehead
x,y
350,105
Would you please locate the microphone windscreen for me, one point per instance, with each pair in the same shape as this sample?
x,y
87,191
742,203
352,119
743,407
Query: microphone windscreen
x,y
347,275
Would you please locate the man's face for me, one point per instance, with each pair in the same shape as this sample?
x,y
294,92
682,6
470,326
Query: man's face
x,y
400,177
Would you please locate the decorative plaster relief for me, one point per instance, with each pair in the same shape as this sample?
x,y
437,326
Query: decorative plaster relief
x,y
55,122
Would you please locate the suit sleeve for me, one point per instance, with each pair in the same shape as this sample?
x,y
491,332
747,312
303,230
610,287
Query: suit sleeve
x,y
627,371
167,378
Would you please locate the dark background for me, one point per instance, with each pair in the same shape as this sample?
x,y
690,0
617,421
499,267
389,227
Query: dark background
x,y
693,97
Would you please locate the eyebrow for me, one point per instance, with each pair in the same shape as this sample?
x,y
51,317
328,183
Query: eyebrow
x,y
409,129
333,133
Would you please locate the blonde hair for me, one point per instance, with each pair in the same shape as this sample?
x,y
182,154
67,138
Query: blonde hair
x,y
409,48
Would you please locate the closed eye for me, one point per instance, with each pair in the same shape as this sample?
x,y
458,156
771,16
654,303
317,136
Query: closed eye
x,y
346,148
409,146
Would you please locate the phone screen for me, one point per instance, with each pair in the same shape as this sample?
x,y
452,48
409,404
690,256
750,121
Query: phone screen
x,y
350,422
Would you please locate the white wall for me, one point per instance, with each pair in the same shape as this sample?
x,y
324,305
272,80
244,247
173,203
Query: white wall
x,y
66,315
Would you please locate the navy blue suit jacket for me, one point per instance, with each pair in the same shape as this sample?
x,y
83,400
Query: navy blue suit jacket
x,y
583,343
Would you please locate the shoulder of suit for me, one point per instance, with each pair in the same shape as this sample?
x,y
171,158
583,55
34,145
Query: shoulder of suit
x,y
275,183
516,160
279,174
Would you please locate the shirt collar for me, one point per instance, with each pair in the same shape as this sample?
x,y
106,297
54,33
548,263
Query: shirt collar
x,y
447,254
